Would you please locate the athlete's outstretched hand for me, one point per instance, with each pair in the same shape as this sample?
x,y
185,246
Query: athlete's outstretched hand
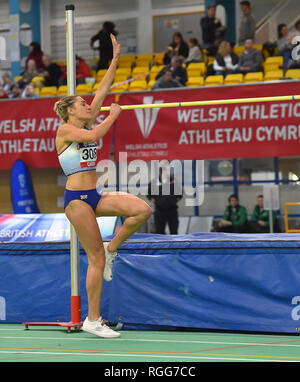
x,y
116,47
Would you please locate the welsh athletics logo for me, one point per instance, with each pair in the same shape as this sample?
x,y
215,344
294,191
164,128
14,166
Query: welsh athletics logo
x,y
147,117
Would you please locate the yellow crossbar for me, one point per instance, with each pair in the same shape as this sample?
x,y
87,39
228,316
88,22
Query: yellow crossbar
x,y
206,103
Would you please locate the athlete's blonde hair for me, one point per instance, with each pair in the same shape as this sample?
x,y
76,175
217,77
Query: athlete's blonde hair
x,y
61,106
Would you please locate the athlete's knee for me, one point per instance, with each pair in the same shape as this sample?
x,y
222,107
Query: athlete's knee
x,y
145,211
96,258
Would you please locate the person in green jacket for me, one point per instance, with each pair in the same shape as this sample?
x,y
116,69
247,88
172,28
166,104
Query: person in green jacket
x,y
235,217
259,222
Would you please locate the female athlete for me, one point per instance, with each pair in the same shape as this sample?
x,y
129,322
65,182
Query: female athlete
x,y
76,144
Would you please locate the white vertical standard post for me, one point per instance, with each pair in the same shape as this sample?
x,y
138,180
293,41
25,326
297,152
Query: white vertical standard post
x,y
71,85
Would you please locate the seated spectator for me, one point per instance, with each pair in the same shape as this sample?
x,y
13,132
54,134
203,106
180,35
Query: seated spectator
x,y
15,92
166,81
7,83
284,44
235,217
195,54
247,25
28,74
2,93
250,60
225,61
212,30
178,47
36,54
29,92
82,71
260,222
178,71
51,72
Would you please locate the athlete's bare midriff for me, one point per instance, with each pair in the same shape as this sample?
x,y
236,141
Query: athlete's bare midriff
x,y
86,180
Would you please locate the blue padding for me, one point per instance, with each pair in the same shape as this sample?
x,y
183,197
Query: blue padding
x,y
212,281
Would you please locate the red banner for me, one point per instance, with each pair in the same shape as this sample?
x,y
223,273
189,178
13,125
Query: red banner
x,y
221,131
28,129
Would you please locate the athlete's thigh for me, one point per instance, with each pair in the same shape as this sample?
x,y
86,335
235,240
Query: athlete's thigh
x,y
120,204
83,219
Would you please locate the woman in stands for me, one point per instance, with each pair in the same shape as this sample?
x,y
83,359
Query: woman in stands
x,y
76,144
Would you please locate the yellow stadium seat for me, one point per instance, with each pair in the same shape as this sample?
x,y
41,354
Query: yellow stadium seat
x,y
238,49
84,88
155,70
232,79
93,73
120,78
273,75
48,91
37,91
100,74
138,70
150,84
38,79
61,63
195,81
210,60
17,78
258,47
196,69
143,63
120,88
253,77
159,58
137,85
293,73
273,63
123,72
214,80
145,56
62,90
126,61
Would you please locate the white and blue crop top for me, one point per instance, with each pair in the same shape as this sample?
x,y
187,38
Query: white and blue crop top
x,y
78,157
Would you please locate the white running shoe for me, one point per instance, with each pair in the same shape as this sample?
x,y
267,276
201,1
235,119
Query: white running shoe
x,y
109,261
98,328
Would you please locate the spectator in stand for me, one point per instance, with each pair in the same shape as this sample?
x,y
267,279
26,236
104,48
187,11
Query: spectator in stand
x,y
15,92
29,92
29,74
166,81
226,61
284,44
235,217
82,70
195,54
260,218
7,83
178,71
3,95
250,60
105,46
178,47
51,71
36,54
212,30
247,25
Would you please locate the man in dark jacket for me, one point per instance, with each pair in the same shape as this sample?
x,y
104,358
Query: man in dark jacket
x,y
212,29
105,45
51,71
164,196
178,71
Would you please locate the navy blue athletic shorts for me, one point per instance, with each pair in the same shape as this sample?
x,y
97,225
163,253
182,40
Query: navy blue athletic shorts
x,y
91,197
